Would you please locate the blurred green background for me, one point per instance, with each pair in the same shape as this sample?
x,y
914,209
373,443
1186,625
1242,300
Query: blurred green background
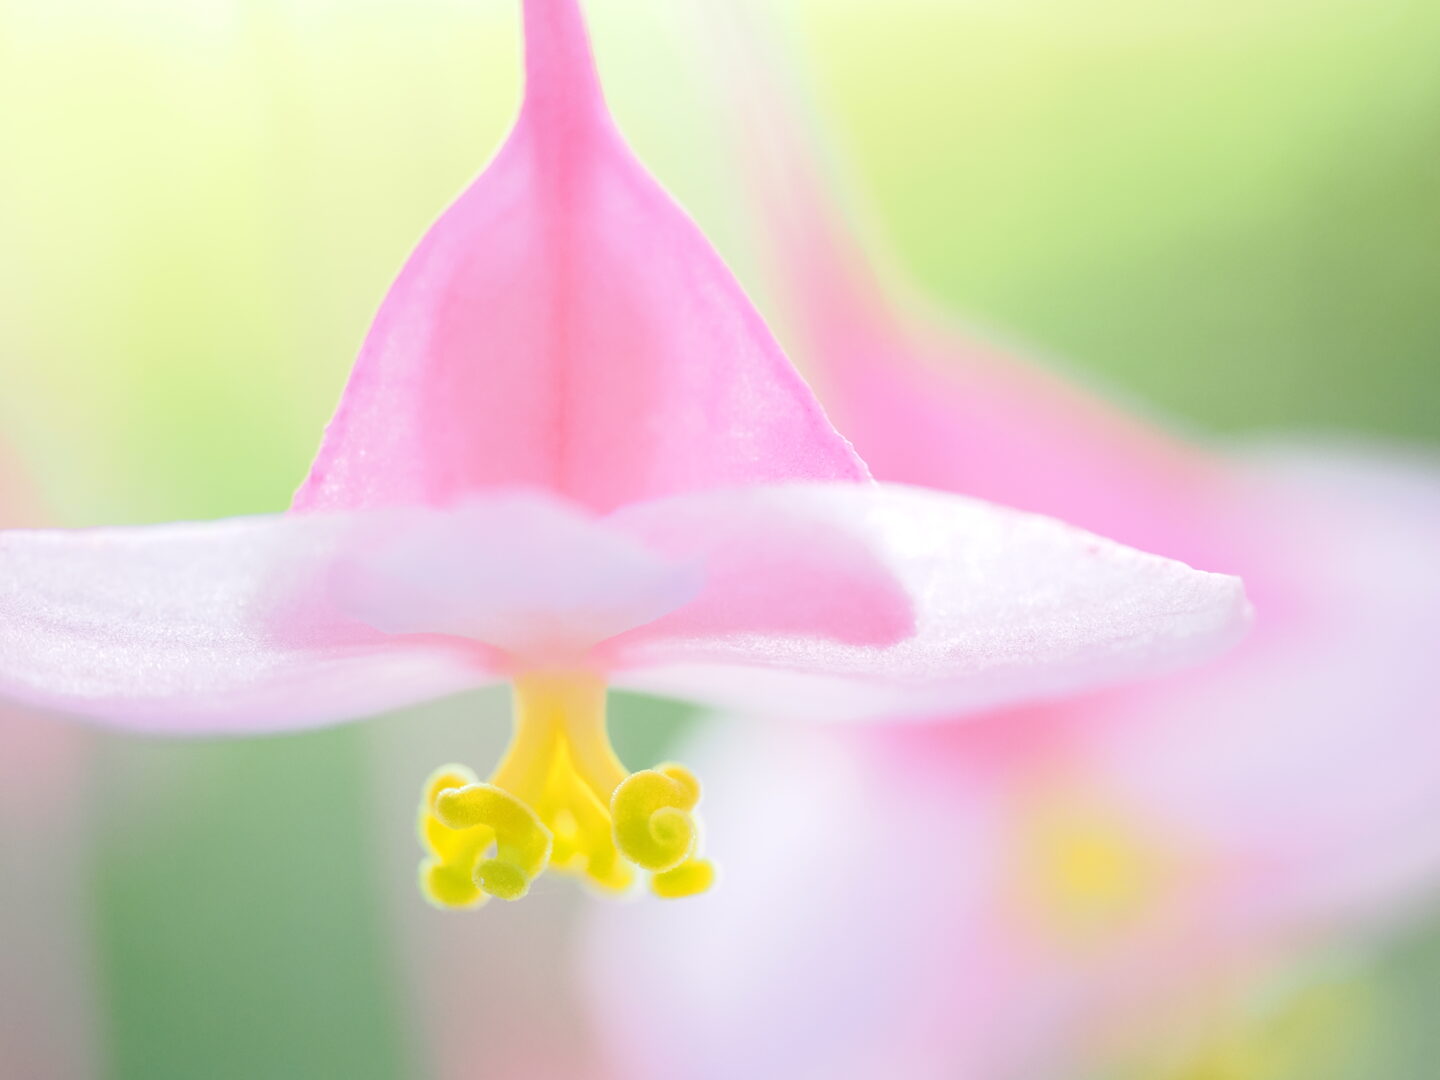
x,y
1230,211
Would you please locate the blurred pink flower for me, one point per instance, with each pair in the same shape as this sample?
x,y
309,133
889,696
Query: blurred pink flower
x,y
989,899
571,455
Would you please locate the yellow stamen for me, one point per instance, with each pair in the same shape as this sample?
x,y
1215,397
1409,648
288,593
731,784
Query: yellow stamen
x,y
689,878
560,797
653,826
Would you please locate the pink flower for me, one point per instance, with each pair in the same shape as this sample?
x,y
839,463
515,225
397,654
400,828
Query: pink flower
x,y
988,899
570,455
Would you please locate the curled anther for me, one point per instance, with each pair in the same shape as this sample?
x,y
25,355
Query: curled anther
x,y
651,811
690,878
447,885
447,873
522,843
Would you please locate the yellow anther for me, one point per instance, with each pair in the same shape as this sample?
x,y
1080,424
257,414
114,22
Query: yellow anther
x,y
561,798
522,842
447,877
448,845
446,886
688,879
651,810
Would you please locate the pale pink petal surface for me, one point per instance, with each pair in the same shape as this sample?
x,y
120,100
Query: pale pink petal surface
x,y
534,577
830,601
213,627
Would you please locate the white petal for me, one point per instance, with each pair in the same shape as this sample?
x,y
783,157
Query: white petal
x,y
1006,606
532,575
203,628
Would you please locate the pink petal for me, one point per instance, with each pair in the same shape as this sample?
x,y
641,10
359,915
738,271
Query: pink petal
x,y
831,599
1006,606
565,326
202,628
539,579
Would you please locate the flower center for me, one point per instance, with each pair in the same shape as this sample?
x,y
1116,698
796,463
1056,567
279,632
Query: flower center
x,y
559,798
1087,871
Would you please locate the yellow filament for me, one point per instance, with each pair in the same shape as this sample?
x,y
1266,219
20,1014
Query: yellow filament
x,y
559,797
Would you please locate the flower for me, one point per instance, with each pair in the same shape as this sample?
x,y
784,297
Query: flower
x,y
571,456
990,899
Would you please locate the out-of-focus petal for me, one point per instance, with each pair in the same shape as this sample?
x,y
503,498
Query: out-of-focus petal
x,y
203,628
854,935
1007,606
565,326
1312,755
869,924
